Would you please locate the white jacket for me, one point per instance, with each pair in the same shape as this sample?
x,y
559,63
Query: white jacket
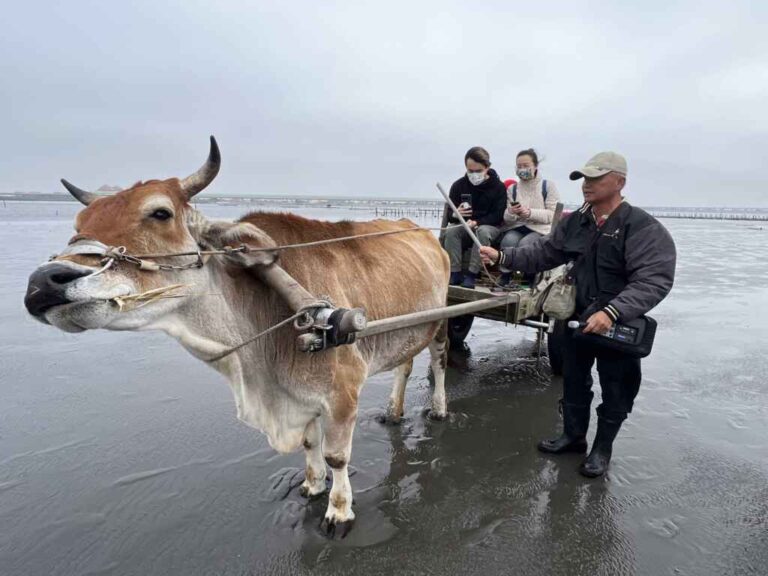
x,y
529,194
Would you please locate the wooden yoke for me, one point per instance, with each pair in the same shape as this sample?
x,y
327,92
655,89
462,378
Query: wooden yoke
x,y
293,293
326,325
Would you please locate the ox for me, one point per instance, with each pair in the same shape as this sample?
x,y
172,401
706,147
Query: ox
x,y
297,399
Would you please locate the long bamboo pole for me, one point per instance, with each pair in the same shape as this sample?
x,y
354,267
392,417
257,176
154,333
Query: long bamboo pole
x,y
426,316
459,216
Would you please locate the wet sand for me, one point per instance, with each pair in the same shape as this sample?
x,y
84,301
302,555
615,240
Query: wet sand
x,y
121,454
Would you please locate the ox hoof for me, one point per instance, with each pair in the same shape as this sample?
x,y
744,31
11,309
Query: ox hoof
x,y
336,528
436,416
389,419
311,493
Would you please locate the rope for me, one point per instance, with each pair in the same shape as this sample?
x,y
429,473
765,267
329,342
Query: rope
x,y
121,254
247,249
297,315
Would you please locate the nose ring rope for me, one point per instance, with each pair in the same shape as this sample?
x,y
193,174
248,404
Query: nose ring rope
x,y
103,269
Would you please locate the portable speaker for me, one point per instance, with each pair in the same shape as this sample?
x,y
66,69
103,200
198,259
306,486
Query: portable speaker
x,y
634,338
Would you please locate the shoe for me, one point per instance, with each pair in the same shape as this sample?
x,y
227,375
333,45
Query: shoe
x,y
504,279
469,280
574,436
456,278
596,464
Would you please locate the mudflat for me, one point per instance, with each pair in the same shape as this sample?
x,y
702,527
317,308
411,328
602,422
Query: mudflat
x,y
121,454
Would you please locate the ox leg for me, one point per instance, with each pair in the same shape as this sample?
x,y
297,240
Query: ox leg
x,y
314,476
337,447
338,427
438,351
397,398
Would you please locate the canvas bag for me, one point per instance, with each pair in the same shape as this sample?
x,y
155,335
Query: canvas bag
x,y
560,301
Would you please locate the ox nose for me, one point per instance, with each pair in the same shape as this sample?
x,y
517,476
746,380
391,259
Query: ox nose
x,y
48,286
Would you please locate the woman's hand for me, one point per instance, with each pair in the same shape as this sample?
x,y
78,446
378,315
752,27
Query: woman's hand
x,y
521,211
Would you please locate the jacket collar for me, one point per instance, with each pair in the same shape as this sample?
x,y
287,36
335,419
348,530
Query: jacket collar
x,y
588,216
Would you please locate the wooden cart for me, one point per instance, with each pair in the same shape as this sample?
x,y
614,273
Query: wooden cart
x,y
521,308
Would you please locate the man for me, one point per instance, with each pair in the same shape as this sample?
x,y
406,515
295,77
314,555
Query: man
x,y
481,198
624,266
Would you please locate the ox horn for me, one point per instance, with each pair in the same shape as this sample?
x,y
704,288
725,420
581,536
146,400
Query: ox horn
x,y
205,175
83,196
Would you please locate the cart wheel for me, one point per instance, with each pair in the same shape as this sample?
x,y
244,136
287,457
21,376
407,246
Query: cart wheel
x,y
458,329
555,347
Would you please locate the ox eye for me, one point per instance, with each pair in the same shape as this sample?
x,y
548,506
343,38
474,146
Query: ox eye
x,y
161,214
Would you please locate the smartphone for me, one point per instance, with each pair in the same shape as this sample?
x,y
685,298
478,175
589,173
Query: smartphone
x,y
514,203
467,199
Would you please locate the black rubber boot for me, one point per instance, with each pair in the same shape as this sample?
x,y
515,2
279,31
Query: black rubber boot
x,y
574,436
596,464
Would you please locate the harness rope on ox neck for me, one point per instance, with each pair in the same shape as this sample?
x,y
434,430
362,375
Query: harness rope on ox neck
x,y
303,318
90,247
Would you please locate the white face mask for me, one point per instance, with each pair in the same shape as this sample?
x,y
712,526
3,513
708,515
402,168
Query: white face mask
x,y
476,178
525,173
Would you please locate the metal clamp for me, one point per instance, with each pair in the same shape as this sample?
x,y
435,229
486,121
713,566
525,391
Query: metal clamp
x,y
332,327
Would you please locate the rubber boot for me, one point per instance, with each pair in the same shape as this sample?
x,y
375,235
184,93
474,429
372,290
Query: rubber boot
x,y
456,278
574,436
596,464
469,280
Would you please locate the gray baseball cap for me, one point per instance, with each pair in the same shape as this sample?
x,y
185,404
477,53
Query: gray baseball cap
x,y
600,165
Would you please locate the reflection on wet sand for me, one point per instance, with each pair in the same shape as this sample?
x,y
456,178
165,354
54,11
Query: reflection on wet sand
x,y
476,485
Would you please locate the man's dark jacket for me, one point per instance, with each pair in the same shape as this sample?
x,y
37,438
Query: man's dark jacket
x,y
489,199
625,267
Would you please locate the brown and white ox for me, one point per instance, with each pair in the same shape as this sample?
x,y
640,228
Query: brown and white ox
x,y
297,399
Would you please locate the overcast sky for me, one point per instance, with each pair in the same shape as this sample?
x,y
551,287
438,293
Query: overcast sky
x,y
383,98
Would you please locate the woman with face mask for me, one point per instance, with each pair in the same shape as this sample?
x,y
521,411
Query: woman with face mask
x,y
481,198
530,207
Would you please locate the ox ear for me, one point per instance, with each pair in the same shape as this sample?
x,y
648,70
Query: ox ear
x,y
219,234
194,183
83,196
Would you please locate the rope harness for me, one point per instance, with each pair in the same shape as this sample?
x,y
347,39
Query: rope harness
x,y
302,319
111,254
302,314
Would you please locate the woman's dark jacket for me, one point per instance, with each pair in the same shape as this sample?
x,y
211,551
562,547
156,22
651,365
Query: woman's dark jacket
x,y
489,199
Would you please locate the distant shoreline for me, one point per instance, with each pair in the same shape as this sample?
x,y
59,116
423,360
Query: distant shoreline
x,y
403,207
363,201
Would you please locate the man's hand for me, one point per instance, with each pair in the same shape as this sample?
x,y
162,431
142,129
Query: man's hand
x,y
464,211
598,323
472,224
489,255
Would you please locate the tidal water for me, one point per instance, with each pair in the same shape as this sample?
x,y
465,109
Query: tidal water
x,y
121,454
